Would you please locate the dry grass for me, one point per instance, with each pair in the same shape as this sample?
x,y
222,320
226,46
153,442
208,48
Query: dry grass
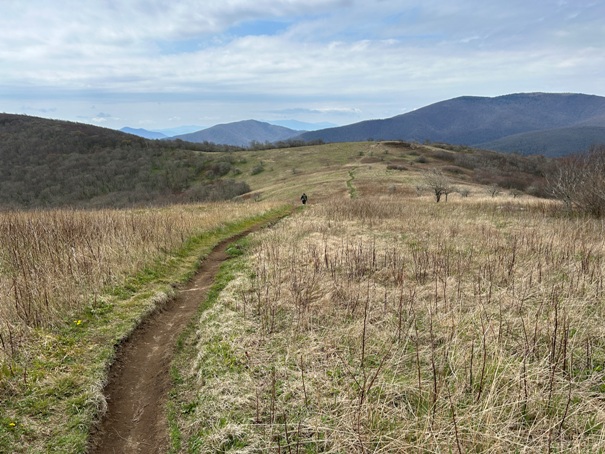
x,y
76,284
389,325
54,263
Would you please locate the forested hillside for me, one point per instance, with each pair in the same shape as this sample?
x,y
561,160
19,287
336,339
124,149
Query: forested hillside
x,y
56,163
559,123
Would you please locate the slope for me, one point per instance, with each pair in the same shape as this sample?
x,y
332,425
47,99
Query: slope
x,y
552,142
477,120
241,133
49,163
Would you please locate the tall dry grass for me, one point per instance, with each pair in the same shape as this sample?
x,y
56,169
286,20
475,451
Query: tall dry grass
x,y
405,326
53,263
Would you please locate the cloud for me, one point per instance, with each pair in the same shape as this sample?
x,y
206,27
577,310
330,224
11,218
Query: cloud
x,y
102,117
322,111
351,58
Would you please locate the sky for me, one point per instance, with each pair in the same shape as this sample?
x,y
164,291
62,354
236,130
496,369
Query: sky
x,y
158,64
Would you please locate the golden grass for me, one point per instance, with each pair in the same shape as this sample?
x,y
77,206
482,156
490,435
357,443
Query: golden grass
x,y
320,171
376,320
54,263
83,281
384,324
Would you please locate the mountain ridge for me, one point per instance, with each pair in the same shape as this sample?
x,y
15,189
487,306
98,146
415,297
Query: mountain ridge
x,y
475,121
240,133
553,124
145,133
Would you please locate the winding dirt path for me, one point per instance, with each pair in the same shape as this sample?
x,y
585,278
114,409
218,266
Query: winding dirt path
x,y
139,378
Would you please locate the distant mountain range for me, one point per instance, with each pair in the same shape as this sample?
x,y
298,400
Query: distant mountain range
x,y
529,123
161,133
551,124
241,133
144,133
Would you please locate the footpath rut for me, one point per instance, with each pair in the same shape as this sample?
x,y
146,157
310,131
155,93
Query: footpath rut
x,y
139,379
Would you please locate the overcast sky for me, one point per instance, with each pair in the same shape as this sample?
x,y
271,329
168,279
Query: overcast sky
x,y
163,63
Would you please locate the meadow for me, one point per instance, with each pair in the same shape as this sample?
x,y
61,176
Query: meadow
x,y
74,284
395,324
374,320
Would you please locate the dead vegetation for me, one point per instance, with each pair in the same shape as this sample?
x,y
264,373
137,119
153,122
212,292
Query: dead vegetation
x,y
55,263
375,325
74,284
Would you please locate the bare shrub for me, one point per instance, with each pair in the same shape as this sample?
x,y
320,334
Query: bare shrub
x,y
396,167
421,159
454,170
438,183
493,189
579,181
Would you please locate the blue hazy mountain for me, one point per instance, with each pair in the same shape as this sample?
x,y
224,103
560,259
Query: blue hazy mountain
x,y
537,123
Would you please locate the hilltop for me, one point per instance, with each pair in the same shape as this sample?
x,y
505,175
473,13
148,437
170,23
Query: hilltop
x,y
241,133
384,168
58,163
528,123
55,163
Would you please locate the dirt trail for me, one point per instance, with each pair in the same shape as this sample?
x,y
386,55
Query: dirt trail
x,y
139,379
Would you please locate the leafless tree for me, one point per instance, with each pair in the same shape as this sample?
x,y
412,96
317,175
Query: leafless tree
x,y
438,183
493,190
579,181
565,178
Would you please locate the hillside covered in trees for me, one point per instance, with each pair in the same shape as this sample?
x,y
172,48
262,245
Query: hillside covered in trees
x,y
548,124
57,163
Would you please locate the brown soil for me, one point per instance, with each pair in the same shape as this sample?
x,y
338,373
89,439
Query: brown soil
x,y
139,378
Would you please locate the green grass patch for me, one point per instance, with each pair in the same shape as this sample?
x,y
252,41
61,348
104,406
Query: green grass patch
x,y
352,189
183,398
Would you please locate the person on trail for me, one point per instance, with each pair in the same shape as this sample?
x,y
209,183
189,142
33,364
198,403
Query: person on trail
x,y
303,198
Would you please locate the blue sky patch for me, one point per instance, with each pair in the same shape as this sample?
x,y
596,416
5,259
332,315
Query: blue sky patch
x,y
259,28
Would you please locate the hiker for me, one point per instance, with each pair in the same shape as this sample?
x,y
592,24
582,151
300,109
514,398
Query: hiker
x,y
303,198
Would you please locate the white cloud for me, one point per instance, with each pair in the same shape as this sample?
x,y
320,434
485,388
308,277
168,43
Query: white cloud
x,y
368,58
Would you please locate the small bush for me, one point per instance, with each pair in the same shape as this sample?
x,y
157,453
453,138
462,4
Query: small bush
x,y
396,167
453,170
258,168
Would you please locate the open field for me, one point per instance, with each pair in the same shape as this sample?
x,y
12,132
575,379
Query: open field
x,y
378,168
74,285
56,262
373,321
390,324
